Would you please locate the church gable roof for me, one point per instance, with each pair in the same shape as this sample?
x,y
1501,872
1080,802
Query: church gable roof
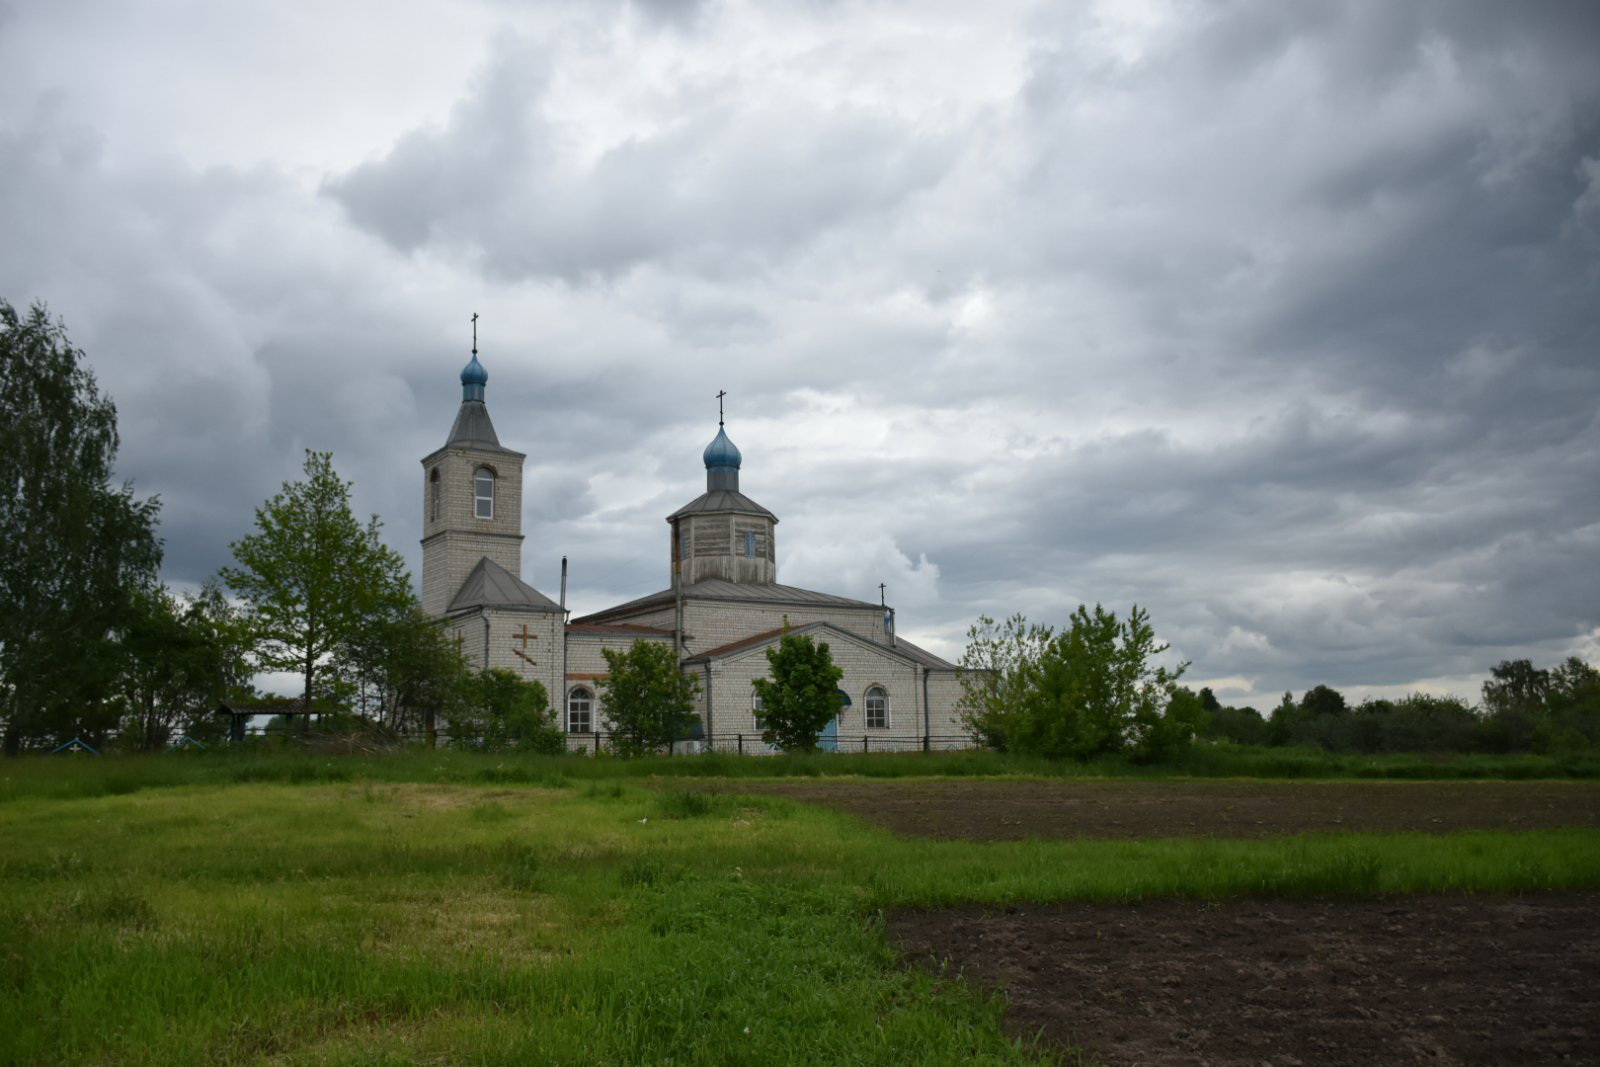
x,y
923,656
721,589
492,586
899,650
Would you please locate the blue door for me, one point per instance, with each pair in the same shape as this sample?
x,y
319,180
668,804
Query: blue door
x,y
828,739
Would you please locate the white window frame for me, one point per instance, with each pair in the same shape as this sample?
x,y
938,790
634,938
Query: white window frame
x,y
580,702
881,695
757,706
479,499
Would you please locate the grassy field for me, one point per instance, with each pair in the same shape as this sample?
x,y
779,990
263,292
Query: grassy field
x,y
447,909
87,776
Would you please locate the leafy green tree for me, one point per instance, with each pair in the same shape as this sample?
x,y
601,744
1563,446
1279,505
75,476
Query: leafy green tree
x,y
76,550
1323,722
1324,700
1574,682
311,575
501,712
1573,708
179,659
997,670
1420,722
1285,717
401,670
1091,689
648,700
802,696
1242,726
1514,700
1160,737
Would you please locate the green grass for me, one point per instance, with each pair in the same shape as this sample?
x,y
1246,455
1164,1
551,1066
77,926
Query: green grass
x,y
87,776
246,911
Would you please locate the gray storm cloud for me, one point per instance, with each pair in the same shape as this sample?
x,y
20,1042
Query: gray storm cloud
x,y
1279,321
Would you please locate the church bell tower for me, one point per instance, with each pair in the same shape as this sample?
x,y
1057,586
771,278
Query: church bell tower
x,y
471,498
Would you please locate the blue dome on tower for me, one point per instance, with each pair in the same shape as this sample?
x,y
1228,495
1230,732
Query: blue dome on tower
x,y
473,379
721,453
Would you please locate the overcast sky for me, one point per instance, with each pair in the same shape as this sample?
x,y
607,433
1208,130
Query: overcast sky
x,y
1280,320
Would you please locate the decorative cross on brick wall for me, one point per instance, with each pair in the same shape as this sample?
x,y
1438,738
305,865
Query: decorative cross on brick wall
x,y
524,636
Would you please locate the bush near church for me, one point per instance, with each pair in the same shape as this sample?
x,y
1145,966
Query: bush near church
x,y
1090,690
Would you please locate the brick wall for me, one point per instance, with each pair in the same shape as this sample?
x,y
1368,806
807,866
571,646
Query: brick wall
x,y
453,537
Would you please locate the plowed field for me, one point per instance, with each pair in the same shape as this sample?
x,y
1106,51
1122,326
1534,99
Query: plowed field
x,y
1416,980
999,810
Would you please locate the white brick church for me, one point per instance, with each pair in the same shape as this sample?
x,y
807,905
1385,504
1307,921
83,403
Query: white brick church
x,y
722,609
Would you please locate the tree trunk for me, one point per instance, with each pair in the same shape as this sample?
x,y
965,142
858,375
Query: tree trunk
x,y
305,719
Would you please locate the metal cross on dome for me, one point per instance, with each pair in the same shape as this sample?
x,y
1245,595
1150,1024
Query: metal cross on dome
x,y
474,333
720,394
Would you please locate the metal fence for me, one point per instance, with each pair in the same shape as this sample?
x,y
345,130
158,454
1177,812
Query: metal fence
x,y
752,745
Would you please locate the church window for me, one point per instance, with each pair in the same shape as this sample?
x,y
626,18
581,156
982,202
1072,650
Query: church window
x,y
483,493
877,708
434,494
750,543
757,710
580,711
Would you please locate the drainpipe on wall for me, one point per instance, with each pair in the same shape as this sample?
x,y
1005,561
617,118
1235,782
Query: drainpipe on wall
x,y
486,640
677,594
709,734
565,701
927,714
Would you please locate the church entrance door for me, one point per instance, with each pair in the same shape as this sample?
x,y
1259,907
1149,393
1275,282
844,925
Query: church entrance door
x,y
828,739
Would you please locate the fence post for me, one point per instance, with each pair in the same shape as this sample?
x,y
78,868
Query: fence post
x,y
741,744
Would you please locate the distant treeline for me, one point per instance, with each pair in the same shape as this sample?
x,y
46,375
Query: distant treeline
x,y
1093,689
1524,709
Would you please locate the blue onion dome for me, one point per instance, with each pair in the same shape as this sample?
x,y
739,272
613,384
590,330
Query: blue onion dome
x,y
473,377
722,453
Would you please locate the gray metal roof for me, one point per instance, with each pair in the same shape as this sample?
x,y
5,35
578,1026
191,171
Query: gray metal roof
x,y
721,589
492,586
900,649
923,656
722,500
473,428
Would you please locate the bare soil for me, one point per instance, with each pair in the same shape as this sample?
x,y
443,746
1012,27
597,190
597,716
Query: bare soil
x,y
1005,810
1413,980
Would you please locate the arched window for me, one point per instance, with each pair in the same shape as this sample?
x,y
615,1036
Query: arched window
x,y
435,494
483,493
580,711
877,708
